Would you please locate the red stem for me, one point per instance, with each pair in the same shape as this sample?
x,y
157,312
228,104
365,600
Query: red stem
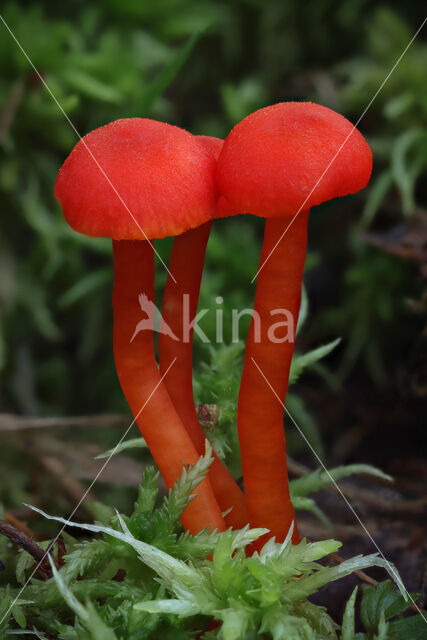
x,y
260,414
186,265
140,379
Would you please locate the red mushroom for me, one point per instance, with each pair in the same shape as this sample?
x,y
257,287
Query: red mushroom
x,y
133,180
185,273
277,163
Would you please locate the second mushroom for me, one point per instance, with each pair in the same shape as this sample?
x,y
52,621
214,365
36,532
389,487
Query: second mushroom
x,y
277,163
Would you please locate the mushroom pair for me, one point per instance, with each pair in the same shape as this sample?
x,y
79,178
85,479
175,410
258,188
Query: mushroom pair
x,y
157,180
135,180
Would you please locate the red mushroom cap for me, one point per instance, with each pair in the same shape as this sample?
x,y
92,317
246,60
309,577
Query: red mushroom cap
x,y
271,161
212,144
223,208
165,178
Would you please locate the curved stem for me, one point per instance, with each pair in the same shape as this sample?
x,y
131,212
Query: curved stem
x,y
269,350
180,305
141,382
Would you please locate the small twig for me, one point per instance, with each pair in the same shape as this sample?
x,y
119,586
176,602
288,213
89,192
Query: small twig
x,y
9,422
25,542
364,576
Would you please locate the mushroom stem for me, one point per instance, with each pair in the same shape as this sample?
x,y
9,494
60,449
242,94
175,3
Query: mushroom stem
x,y
186,265
142,384
269,354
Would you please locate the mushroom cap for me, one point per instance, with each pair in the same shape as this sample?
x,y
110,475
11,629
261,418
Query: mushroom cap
x,y
272,163
135,179
212,144
223,208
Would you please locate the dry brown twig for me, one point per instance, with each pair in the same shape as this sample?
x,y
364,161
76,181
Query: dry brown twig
x,y
10,422
30,546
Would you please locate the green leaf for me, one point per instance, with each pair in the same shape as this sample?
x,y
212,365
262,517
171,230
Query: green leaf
x,y
234,623
132,443
413,628
310,584
84,556
101,512
382,600
376,195
24,563
178,607
85,286
405,171
382,628
88,615
368,609
391,601
319,479
92,87
398,105
19,616
242,99
6,601
147,491
303,310
32,297
167,75
182,491
304,361
348,625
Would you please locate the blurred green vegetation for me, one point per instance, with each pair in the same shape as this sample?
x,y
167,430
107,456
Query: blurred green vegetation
x,y
205,65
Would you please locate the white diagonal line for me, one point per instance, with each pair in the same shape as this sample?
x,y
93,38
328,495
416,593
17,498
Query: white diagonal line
x,y
88,489
341,147
350,506
54,98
